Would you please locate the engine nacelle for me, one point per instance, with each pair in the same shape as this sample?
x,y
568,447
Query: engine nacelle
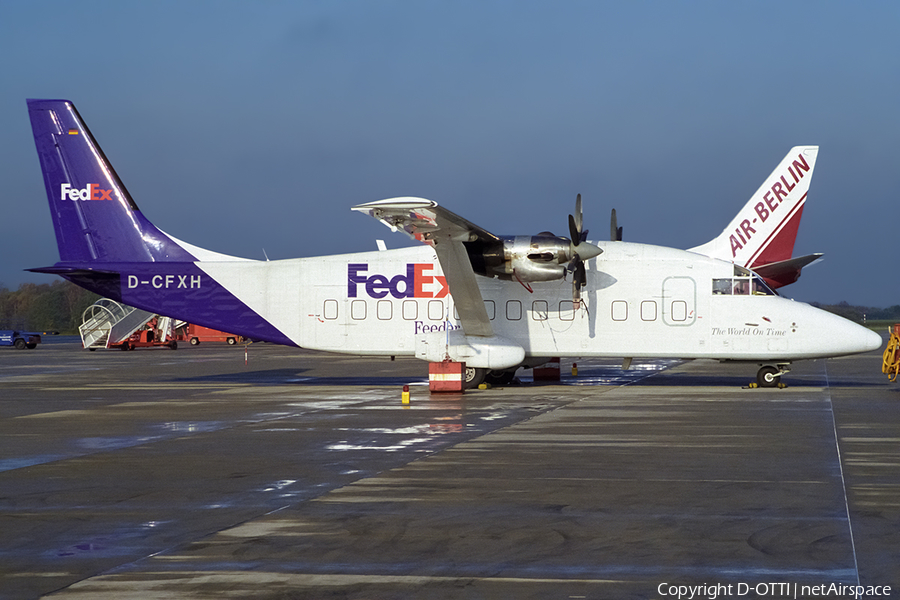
x,y
541,257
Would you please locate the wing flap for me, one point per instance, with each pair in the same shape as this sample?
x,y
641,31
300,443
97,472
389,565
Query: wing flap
x,y
463,287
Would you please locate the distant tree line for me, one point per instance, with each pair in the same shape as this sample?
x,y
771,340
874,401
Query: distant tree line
x,y
56,306
860,314
59,306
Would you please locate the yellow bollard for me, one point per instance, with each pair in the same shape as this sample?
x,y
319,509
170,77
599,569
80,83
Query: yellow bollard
x,y
574,369
405,394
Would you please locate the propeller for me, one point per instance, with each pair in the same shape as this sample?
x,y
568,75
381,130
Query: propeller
x,y
581,251
615,232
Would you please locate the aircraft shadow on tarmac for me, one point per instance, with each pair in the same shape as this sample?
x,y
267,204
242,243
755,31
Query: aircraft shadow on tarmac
x,y
743,381
605,377
297,376
587,377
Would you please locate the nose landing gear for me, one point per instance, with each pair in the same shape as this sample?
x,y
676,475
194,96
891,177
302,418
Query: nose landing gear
x,y
769,376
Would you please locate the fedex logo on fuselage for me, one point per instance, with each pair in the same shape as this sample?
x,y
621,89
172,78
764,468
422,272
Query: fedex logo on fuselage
x,y
91,192
410,284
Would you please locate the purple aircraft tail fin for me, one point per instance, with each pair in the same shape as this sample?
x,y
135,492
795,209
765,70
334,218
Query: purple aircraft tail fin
x,y
95,219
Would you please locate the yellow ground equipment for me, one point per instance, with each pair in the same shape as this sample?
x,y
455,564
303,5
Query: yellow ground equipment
x,y
891,363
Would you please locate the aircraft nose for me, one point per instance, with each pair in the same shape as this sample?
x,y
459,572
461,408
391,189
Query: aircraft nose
x,y
860,339
871,340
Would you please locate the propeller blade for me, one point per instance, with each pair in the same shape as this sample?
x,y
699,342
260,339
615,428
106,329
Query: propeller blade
x,y
579,222
579,280
574,232
615,232
576,224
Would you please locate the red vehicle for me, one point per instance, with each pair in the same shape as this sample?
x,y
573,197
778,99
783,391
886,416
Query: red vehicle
x,y
196,334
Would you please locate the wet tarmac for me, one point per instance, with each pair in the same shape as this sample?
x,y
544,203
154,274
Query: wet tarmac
x,y
188,474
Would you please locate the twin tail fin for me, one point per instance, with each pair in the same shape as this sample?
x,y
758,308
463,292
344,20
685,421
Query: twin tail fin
x,y
95,219
762,235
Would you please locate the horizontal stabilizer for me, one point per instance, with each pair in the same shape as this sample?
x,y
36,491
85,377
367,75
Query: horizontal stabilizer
x,y
785,272
73,271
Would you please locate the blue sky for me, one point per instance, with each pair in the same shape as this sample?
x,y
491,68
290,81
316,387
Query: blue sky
x,y
243,126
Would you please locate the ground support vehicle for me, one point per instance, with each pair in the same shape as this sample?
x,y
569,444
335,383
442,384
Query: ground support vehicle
x,y
20,339
196,334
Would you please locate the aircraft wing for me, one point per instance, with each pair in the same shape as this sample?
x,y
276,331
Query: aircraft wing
x,y
419,218
425,221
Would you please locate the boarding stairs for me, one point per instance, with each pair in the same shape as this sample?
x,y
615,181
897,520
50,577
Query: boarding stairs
x,y
108,322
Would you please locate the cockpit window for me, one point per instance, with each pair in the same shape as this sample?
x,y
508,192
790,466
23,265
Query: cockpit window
x,y
760,288
741,286
722,287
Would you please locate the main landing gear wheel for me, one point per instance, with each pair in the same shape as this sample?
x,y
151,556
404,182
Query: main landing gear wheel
x,y
473,377
768,377
500,377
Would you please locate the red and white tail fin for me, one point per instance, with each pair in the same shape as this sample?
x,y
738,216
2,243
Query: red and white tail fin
x,y
764,231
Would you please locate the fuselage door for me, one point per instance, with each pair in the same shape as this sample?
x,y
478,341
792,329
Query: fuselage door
x,y
679,301
331,315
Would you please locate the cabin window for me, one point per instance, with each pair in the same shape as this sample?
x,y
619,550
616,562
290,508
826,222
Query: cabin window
x,y
489,306
567,310
513,310
539,309
648,310
435,310
679,310
358,310
330,310
619,310
491,309
385,310
410,310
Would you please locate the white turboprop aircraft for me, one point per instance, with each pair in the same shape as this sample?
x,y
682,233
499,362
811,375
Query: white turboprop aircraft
x,y
493,302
